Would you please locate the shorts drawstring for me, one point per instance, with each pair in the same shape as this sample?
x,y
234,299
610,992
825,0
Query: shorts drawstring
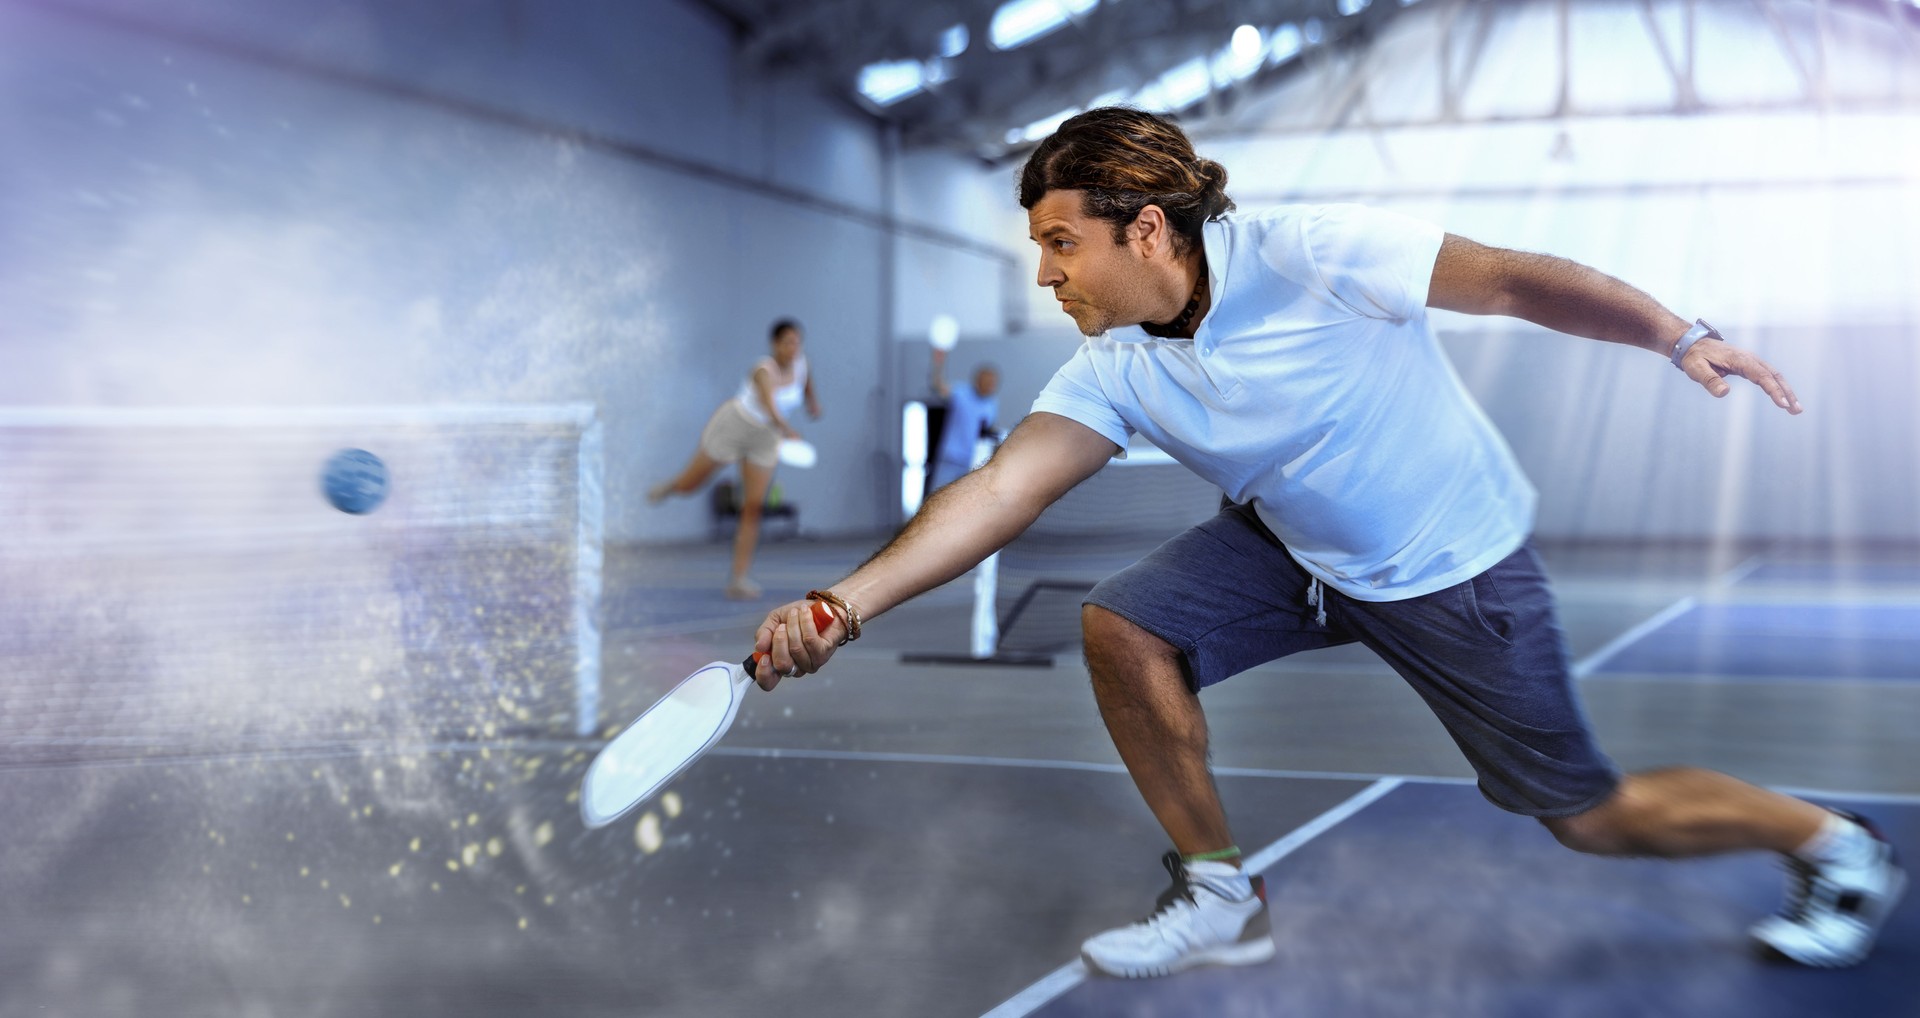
x,y
1317,599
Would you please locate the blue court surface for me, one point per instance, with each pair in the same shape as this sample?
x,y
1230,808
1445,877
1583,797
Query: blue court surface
x,y
1834,573
1822,640
1429,902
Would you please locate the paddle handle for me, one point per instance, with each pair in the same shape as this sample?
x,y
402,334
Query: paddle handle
x,y
822,618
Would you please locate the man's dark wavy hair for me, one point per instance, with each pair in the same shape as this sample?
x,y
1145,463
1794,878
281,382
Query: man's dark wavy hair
x,y
1122,160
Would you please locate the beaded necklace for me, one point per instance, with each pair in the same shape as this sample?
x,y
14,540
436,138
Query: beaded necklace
x,y
1174,328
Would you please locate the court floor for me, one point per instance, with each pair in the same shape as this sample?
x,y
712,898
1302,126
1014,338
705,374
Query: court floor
x,y
891,839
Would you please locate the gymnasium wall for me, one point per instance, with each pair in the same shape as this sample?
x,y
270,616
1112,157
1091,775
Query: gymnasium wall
x,y
227,203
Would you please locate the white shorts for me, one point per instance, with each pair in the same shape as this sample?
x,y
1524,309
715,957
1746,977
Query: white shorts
x,y
731,435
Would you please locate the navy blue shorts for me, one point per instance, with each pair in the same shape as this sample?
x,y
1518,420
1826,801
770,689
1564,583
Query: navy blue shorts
x,y
1487,655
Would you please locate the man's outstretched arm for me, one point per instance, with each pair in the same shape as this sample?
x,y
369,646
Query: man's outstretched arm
x,y
959,526
1568,297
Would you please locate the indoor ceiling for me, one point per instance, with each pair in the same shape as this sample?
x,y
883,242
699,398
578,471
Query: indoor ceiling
x,y
984,99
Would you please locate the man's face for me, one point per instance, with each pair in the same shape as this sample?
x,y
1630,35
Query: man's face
x,y
1100,284
986,382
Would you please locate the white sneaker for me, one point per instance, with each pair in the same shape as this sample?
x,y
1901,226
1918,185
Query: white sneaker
x,y
1212,915
743,589
1833,913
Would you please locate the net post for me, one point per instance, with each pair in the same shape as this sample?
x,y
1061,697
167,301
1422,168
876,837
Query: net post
x,y
986,581
588,551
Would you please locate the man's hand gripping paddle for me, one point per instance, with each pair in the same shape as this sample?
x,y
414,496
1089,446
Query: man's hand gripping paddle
x,y
669,736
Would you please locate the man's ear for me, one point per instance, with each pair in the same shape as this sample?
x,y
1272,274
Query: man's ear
x,y
1149,230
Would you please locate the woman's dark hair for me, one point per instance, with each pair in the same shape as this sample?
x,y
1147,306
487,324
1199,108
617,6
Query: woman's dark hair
x,y
781,326
1122,160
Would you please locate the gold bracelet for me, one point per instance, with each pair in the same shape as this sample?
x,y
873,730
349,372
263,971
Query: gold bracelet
x,y
852,617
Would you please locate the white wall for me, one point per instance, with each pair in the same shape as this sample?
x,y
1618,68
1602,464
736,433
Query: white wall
x,y
226,203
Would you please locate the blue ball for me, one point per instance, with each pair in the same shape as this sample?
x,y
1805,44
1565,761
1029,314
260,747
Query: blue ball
x,y
354,481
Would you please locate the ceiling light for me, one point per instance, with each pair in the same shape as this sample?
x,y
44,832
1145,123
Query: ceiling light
x,y
953,41
1040,128
1240,58
1178,88
887,83
1284,44
1246,43
1018,22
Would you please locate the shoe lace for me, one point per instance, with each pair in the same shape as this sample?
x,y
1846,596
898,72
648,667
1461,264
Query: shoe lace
x,y
1170,899
1800,878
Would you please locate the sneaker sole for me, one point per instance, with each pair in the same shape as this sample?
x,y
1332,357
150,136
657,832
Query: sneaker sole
x,y
1774,952
1251,952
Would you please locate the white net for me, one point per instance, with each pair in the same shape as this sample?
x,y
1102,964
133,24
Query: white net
x,y
176,581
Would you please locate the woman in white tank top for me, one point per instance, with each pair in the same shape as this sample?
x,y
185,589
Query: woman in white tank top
x,y
747,430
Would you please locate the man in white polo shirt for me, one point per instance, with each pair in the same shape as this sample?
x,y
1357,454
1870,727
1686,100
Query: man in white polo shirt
x,y
1286,356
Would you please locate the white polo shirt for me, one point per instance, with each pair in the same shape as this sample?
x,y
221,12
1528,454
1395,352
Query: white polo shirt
x,y
1316,390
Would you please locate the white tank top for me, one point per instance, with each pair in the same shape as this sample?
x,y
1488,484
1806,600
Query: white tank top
x,y
786,398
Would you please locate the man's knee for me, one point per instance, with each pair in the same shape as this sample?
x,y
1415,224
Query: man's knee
x,y
1586,834
1111,637
1614,827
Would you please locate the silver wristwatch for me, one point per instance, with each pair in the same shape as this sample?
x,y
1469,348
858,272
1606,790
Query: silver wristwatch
x,y
1701,330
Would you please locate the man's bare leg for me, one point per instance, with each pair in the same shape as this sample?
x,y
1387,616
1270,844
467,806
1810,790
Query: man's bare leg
x,y
1679,812
1158,727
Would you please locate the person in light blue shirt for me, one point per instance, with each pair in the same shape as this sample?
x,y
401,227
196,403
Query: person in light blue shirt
x,y
972,409
1286,355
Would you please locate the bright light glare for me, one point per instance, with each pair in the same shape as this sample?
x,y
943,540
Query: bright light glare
x,y
953,41
1314,31
1246,43
1351,7
1040,128
1240,58
888,83
1284,45
1019,22
1178,88
913,453
913,433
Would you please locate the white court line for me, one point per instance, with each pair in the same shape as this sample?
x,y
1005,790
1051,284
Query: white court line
x,y
1051,985
1586,665
1059,765
1619,643
1880,798
1072,974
